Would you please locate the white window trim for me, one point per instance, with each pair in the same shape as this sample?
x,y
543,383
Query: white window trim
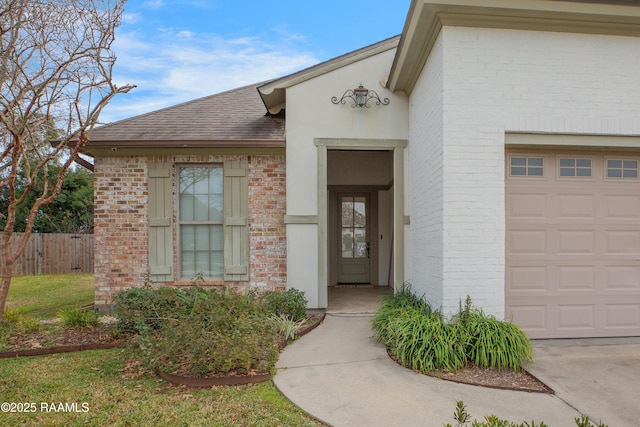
x,y
527,156
575,177
620,179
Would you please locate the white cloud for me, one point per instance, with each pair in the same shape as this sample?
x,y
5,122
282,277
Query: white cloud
x,y
153,4
178,66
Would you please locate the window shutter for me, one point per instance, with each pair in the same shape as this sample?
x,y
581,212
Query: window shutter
x,y
160,222
236,227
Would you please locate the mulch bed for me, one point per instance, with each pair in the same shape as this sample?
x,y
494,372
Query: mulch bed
x,y
495,378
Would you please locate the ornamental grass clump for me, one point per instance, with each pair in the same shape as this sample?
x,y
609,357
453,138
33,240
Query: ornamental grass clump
x,y
421,339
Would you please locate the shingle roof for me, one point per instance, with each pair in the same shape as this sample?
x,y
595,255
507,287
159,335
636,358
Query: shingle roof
x,y
234,118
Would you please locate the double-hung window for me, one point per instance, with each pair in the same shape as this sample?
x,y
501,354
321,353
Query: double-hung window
x,y
200,221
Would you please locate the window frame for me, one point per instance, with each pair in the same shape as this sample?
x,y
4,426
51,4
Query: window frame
x,y
622,169
526,166
576,177
179,223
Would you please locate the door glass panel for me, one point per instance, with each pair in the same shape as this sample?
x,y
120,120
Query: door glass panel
x,y
354,227
360,247
347,243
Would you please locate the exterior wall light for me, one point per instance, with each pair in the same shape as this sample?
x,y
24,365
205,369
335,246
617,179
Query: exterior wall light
x,y
360,97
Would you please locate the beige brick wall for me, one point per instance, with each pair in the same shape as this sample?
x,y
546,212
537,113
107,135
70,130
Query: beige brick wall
x,y
121,229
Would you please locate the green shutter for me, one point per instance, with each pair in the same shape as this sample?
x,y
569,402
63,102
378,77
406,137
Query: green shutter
x,y
236,228
160,222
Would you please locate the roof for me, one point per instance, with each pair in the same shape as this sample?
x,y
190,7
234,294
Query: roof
x,y
273,92
426,18
236,118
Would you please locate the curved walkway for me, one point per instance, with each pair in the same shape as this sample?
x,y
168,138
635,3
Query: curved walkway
x,y
340,375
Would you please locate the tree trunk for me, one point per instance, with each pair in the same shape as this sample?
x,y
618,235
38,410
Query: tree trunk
x,y
4,287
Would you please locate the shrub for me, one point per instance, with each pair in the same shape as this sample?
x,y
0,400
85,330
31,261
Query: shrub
x,y
224,332
290,303
77,317
463,418
24,323
146,308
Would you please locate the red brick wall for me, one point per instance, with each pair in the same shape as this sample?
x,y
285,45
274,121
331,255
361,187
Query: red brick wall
x,y
121,229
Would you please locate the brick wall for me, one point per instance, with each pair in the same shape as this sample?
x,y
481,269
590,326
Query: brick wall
x,y
494,82
121,228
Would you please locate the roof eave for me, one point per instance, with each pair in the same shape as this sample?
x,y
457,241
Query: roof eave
x,y
427,17
187,143
274,93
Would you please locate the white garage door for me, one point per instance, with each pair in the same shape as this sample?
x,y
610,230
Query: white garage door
x,y
573,243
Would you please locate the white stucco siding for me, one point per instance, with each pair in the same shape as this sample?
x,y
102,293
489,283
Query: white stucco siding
x,y
312,115
497,81
425,176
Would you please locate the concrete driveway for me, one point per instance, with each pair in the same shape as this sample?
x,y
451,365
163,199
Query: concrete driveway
x,y
597,377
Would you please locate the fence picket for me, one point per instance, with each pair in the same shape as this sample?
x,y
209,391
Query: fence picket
x,y
53,253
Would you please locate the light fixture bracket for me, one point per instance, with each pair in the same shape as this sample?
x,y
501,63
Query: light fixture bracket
x,y
360,97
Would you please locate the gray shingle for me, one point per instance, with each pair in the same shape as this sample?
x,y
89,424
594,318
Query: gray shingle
x,y
238,115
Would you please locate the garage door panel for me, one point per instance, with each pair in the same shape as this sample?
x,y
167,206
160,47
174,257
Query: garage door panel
x,y
622,277
573,253
576,277
576,207
532,318
622,206
527,242
622,316
527,206
576,242
576,316
527,278
622,242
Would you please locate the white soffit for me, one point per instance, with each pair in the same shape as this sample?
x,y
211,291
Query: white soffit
x,y
427,17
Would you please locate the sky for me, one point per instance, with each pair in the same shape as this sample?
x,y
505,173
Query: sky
x,y
179,50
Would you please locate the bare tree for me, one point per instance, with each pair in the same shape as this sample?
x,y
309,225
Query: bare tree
x,y
56,69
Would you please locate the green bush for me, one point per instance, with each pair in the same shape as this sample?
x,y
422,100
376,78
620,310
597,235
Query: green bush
x,y
77,317
24,323
146,308
422,340
290,303
463,418
223,332
286,327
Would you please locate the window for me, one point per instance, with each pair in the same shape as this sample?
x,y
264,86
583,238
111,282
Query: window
x,y
526,166
621,168
575,167
200,218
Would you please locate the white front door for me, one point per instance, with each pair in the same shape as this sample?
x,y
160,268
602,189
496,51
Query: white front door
x,y
354,257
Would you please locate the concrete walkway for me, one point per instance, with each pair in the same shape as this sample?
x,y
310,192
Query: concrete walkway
x,y
339,374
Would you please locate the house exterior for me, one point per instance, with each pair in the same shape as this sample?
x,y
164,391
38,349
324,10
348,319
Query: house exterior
x,y
504,166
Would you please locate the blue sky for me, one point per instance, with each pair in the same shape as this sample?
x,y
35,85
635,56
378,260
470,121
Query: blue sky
x,y
178,50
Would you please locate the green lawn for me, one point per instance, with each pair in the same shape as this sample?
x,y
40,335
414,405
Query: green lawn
x,y
98,379
43,296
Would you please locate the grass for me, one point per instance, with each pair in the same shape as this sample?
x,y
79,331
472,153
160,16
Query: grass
x,y
44,296
112,384
114,396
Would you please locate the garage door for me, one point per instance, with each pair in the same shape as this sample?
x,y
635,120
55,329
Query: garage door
x,y
573,243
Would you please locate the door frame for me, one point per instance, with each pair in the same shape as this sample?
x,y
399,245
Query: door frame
x,y
397,146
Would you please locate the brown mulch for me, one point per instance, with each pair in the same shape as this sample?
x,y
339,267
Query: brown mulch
x,y
495,378
51,336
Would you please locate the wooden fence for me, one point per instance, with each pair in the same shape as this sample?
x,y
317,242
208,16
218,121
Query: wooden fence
x,y
54,253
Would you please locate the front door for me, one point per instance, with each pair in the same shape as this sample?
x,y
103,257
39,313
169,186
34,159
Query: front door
x,y
354,265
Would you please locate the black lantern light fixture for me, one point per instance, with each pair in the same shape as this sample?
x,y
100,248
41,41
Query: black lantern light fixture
x,y
360,97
